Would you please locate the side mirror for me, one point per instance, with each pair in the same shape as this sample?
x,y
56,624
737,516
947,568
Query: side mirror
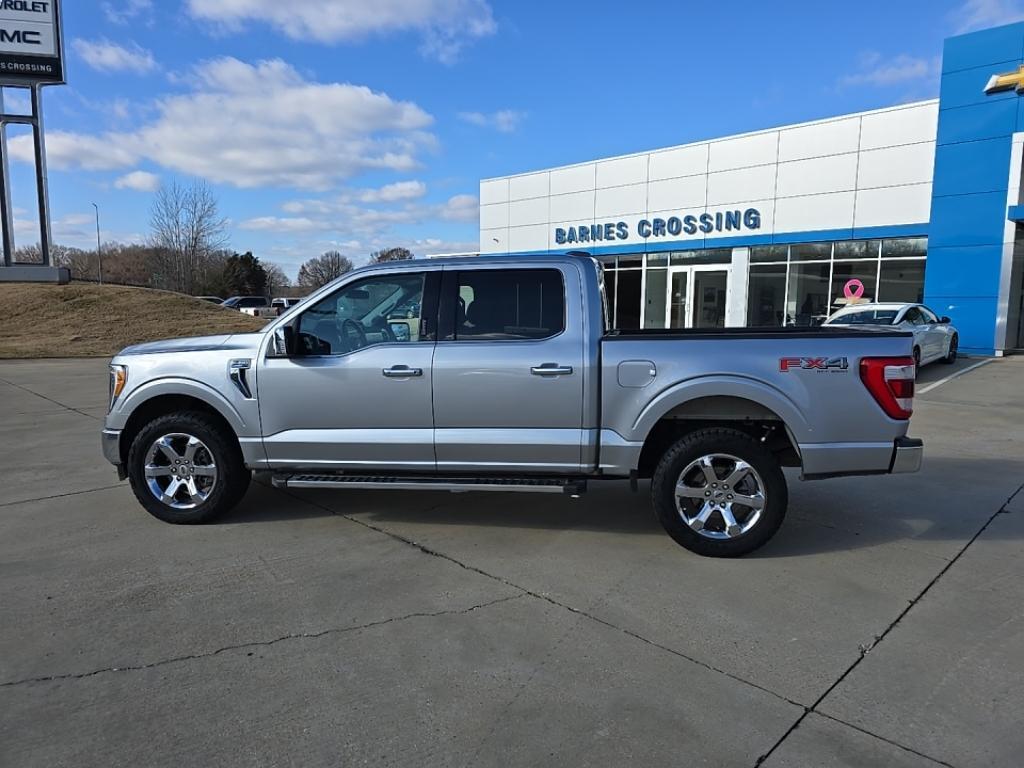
x,y
945,320
284,341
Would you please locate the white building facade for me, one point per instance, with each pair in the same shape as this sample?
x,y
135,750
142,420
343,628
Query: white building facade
x,y
773,227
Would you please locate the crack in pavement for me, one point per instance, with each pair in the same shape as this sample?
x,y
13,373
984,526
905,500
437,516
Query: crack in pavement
x,y
866,649
61,495
50,399
260,643
546,598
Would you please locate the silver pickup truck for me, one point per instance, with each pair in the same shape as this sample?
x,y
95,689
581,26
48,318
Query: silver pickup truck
x,y
500,374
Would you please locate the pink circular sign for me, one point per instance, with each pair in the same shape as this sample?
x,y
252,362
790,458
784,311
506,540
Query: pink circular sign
x,y
853,289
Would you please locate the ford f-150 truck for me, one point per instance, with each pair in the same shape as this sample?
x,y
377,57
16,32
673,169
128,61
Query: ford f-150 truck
x,y
501,374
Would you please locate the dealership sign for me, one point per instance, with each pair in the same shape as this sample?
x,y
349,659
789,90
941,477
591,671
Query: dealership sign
x,y
30,42
671,227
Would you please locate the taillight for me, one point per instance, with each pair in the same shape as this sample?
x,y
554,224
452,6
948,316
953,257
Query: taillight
x,y
890,380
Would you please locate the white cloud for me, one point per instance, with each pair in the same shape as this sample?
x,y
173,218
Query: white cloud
x,y
283,224
504,120
389,193
461,208
446,25
877,70
254,126
105,56
978,14
129,10
141,181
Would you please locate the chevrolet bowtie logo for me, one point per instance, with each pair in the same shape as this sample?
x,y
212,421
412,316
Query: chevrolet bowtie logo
x,y
1006,82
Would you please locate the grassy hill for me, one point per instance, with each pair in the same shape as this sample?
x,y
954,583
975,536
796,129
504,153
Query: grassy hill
x,y
84,320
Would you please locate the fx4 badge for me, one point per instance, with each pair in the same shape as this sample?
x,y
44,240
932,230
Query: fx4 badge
x,y
833,364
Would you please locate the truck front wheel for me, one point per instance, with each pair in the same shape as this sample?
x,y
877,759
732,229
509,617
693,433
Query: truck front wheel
x,y
184,469
719,492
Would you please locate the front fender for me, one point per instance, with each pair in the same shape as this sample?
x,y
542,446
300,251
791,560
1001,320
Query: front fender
x,y
722,386
173,385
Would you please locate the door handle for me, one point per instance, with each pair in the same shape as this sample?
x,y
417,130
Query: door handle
x,y
401,372
551,369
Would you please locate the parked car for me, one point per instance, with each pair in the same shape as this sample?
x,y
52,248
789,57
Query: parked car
x,y
211,299
246,302
507,379
935,338
282,303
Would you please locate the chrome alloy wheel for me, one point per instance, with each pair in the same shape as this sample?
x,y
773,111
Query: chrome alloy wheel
x,y
720,496
180,470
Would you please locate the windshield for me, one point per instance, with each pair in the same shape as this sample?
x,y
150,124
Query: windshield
x,y
864,317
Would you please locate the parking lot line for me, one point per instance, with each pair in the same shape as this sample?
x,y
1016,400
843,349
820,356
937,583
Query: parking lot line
x,y
957,374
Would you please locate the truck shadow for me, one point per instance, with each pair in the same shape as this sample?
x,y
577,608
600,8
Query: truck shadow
x,y
949,500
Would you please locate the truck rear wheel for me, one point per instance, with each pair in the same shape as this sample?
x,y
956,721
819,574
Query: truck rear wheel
x,y
184,469
719,493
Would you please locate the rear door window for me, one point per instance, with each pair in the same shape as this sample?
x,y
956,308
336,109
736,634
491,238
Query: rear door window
x,y
509,304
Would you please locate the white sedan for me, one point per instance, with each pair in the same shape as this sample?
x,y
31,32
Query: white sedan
x,y
935,338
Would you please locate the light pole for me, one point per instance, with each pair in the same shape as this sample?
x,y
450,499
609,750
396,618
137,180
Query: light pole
x,y
99,251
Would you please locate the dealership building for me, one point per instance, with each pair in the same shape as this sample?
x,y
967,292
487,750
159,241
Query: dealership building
x,y
917,202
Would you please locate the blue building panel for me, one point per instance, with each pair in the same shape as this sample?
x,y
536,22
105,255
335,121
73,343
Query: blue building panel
x,y
967,220
974,318
989,120
972,166
971,270
979,49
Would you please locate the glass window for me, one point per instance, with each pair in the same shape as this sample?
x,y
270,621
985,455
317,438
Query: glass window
x,y
766,294
856,249
807,251
905,247
708,256
610,276
913,316
808,294
769,253
628,302
500,304
657,259
654,309
902,281
853,282
630,262
378,310
863,317
929,316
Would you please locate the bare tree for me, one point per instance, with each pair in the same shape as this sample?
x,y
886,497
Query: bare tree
x,y
322,269
187,229
390,254
277,280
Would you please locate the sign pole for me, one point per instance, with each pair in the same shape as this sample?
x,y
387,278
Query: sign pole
x,y
42,186
31,56
6,211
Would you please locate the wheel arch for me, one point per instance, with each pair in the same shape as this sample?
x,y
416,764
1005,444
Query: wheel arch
x,y
162,404
704,409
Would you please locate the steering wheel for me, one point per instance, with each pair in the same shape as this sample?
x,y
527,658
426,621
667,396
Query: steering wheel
x,y
351,329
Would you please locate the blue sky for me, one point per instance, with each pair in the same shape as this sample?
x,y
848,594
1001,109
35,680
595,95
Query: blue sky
x,y
356,125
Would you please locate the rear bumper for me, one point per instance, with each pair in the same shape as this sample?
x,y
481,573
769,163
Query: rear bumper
x,y
907,455
823,460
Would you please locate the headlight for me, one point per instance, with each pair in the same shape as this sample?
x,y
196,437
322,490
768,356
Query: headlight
x,y
118,378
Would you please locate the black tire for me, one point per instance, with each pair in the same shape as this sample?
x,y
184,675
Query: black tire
x,y
917,362
232,478
954,346
731,442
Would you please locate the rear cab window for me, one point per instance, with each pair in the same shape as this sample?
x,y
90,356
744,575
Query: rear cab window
x,y
506,305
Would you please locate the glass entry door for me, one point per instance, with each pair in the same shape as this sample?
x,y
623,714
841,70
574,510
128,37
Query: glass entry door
x,y
697,297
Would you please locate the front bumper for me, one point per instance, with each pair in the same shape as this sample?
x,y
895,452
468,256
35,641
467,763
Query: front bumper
x,y
907,455
110,439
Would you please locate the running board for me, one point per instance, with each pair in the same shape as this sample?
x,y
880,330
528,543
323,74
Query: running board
x,y
566,486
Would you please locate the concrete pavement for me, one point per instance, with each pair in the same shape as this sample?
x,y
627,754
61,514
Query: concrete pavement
x,y
882,626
